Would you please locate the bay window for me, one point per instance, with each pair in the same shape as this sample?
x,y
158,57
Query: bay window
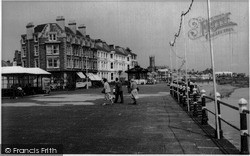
x,y
52,62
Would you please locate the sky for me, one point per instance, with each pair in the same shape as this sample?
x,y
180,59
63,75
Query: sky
x,y
146,27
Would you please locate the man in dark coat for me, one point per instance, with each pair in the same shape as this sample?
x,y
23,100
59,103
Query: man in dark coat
x,y
118,90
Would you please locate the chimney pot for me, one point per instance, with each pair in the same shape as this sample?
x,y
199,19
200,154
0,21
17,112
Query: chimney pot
x,y
61,22
82,29
72,25
29,30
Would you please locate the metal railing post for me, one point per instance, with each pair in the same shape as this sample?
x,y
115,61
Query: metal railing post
x,y
184,96
218,96
188,97
195,113
204,118
180,94
243,127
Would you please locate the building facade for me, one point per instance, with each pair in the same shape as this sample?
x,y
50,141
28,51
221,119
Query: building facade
x,y
65,51
113,61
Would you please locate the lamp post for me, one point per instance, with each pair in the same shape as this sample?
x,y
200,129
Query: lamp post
x,y
87,85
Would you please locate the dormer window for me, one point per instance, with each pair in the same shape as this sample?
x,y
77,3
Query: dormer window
x,y
52,37
35,38
23,40
24,51
68,38
36,50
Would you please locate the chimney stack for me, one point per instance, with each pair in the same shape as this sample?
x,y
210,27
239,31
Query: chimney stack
x,y
72,26
60,20
82,29
29,30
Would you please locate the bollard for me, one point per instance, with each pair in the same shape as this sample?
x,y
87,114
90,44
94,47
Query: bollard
x,y
170,90
204,118
184,96
219,116
243,127
180,94
176,91
195,113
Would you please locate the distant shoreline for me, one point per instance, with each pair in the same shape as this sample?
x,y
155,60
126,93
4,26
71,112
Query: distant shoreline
x,y
225,90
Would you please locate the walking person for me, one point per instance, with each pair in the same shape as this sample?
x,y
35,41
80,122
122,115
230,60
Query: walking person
x,y
128,86
107,92
134,91
118,90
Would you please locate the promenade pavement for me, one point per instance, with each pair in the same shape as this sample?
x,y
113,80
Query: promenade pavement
x,y
76,119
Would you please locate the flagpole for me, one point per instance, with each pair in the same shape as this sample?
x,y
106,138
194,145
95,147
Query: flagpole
x,y
214,80
177,74
186,63
171,64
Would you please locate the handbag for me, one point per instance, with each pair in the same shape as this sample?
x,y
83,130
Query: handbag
x,y
103,90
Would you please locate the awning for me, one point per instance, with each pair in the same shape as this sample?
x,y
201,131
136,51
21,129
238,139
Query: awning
x,y
97,78
81,75
91,76
21,70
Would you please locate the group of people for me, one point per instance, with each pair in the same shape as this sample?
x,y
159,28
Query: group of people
x,y
118,91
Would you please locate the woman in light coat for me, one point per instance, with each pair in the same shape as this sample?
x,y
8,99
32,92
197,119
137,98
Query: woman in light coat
x,y
134,91
107,92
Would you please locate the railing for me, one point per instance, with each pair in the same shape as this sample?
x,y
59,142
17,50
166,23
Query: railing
x,y
196,103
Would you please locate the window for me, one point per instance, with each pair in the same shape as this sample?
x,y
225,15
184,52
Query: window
x,y
23,40
111,55
52,49
68,38
112,76
53,62
127,58
111,65
52,37
128,66
24,51
36,50
36,62
35,38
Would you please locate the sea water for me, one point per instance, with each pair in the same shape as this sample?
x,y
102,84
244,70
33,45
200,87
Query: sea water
x,y
230,115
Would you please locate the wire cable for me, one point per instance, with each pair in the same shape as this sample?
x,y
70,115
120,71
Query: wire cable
x,y
182,14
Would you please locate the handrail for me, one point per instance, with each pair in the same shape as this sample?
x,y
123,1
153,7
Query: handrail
x,y
209,97
180,91
226,104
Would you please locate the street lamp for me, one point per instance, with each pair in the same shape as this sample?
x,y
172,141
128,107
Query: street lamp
x,y
87,86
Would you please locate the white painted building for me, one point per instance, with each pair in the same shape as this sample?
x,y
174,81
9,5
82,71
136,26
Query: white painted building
x,y
113,61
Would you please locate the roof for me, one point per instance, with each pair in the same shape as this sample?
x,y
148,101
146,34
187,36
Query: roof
x,y
78,33
120,51
68,30
97,46
106,47
137,69
21,70
39,28
5,63
163,70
